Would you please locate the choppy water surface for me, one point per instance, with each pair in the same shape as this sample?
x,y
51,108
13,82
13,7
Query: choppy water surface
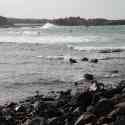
x,y
37,58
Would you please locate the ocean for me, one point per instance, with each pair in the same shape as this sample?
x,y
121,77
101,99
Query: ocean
x,y
37,58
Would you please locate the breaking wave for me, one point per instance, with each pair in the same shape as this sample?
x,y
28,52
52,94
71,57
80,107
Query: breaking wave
x,y
48,26
83,48
58,57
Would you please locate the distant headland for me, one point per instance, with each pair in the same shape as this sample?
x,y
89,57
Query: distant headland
x,y
69,21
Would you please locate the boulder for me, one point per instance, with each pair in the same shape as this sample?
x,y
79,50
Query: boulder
x,y
37,121
113,114
56,121
84,59
117,50
72,61
123,90
104,120
116,98
103,106
88,76
114,71
121,107
86,118
94,60
90,109
84,100
105,51
52,121
120,120
121,84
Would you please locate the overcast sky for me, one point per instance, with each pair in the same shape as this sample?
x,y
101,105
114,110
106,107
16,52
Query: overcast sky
x,y
62,8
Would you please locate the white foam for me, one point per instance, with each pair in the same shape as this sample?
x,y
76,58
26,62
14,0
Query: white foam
x,y
33,37
58,57
48,26
80,48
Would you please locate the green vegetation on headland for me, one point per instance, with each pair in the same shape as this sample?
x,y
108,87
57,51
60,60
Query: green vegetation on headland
x,y
69,21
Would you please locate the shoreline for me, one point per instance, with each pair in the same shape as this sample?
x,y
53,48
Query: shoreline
x,y
104,106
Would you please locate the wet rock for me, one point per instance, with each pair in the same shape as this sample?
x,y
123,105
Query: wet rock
x,y
120,120
37,121
110,50
56,121
104,120
12,105
121,106
116,98
84,59
27,122
90,109
121,84
123,90
114,71
105,51
111,92
88,76
48,110
52,121
72,61
103,106
84,100
117,50
113,114
86,118
89,124
77,111
94,60
20,108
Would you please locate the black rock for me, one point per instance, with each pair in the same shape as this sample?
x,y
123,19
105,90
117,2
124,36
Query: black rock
x,y
72,61
105,51
38,121
86,118
84,59
88,76
117,50
56,121
104,120
103,106
90,109
120,120
115,71
94,60
84,100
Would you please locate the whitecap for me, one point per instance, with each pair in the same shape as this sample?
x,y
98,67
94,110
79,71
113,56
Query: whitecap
x,y
48,26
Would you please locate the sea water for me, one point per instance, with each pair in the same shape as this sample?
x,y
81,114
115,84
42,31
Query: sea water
x,y
37,58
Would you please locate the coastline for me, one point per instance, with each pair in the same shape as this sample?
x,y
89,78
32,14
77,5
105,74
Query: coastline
x,y
58,71
104,106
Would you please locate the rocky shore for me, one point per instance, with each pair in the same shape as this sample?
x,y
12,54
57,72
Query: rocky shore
x,y
101,106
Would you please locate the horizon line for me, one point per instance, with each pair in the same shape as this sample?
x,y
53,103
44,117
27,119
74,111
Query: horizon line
x,y
63,18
